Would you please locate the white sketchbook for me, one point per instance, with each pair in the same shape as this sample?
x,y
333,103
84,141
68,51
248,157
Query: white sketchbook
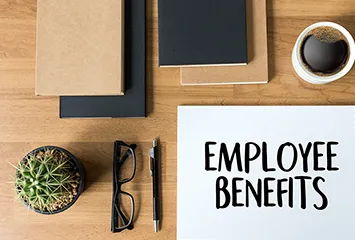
x,y
266,173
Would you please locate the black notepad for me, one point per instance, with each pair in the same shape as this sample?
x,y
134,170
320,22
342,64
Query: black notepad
x,y
132,104
202,32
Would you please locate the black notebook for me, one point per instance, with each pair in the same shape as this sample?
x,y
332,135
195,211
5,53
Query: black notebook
x,y
202,32
132,104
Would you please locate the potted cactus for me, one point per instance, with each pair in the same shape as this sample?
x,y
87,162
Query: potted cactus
x,y
49,180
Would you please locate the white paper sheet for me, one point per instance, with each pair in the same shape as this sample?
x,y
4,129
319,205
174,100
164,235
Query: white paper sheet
x,y
328,212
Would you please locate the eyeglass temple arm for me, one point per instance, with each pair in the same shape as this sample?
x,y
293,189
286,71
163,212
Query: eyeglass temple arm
x,y
122,216
127,153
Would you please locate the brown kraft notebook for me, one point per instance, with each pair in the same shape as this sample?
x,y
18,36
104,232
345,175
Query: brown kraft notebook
x,y
80,47
256,72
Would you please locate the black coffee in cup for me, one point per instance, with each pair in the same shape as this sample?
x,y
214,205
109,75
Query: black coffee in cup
x,y
325,51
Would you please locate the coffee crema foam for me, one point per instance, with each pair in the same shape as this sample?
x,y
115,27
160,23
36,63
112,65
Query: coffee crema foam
x,y
327,34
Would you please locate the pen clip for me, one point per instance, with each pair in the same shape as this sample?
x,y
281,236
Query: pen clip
x,y
151,161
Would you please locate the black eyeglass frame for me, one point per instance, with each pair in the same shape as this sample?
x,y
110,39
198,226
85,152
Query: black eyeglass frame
x,y
117,185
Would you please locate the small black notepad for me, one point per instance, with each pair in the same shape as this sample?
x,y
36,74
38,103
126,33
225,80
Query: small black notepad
x,y
202,32
132,104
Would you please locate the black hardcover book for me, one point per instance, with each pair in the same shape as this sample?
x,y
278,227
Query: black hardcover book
x,y
202,32
132,104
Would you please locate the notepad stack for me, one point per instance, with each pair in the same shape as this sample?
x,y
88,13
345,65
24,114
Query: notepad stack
x,y
80,47
213,41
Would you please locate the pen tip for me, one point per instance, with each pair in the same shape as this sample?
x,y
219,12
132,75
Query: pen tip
x,y
156,226
155,142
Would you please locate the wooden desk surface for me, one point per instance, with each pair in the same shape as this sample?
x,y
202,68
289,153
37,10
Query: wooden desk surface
x,y
27,121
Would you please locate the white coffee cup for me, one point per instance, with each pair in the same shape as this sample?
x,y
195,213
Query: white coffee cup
x,y
305,73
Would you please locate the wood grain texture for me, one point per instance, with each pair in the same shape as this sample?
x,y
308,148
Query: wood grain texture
x,y
28,121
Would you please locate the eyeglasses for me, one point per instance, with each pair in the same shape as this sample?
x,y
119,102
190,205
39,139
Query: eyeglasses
x,y
124,169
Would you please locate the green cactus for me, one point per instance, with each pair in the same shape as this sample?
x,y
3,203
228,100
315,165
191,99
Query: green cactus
x,y
47,180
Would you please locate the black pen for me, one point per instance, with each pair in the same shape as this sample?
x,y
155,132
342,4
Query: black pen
x,y
154,173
